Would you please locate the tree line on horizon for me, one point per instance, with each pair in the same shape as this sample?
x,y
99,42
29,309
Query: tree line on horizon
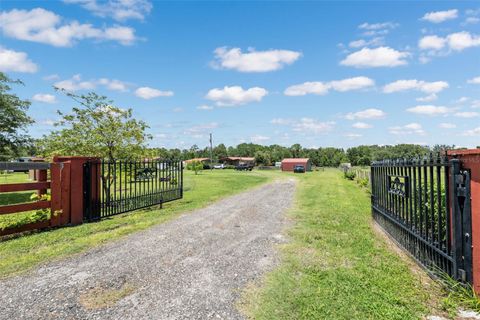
x,y
96,127
323,157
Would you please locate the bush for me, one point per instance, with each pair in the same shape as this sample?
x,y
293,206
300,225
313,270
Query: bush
x,y
195,166
350,175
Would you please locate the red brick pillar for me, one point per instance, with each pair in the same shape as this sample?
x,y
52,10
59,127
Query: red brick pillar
x,y
76,185
470,159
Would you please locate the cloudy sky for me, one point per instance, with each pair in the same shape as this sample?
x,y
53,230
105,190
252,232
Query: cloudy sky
x,y
319,73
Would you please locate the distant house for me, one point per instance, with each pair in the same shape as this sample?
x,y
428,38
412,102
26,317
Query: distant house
x,y
202,160
289,163
235,161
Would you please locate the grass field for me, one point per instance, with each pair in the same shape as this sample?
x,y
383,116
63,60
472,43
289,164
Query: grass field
x,y
20,254
16,219
336,266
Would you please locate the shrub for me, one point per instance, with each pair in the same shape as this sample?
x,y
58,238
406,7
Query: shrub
x,y
195,166
350,175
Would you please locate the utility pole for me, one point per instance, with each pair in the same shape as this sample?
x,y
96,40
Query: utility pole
x,y
211,153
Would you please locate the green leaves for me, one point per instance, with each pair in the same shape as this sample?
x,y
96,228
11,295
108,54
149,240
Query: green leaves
x,y
13,120
96,128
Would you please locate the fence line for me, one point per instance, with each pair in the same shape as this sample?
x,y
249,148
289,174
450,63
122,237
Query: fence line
x,y
114,187
415,201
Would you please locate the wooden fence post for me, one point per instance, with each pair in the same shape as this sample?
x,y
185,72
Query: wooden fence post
x,y
56,194
76,185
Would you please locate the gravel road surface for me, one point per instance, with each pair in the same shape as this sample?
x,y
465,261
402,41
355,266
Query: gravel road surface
x,y
193,267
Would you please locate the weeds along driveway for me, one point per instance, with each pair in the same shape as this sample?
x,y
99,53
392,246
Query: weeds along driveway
x,y
191,268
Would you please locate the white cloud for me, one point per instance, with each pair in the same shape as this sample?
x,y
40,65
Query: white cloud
x,y
377,26
462,99
472,20
475,80
205,107
16,61
44,97
473,132
378,57
458,41
281,121
429,110
306,125
355,83
43,26
352,135
419,85
475,104
75,84
259,138
316,87
375,29
253,61
199,131
366,114
463,40
115,85
446,125
440,16
312,125
119,10
467,114
429,98
150,93
375,42
235,95
321,88
361,125
411,128
51,77
432,42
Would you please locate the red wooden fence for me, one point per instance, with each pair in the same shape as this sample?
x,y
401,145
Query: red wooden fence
x,y
60,177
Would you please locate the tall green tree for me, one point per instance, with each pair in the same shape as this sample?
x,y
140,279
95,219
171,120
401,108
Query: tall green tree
x,y
96,128
13,120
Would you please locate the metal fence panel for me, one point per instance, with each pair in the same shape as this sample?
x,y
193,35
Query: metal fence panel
x,y
411,200
114,187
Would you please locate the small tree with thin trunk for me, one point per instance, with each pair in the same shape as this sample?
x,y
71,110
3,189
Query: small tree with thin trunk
x,y
96,128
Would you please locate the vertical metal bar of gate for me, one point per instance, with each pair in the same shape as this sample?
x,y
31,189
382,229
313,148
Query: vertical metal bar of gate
x,y
461,222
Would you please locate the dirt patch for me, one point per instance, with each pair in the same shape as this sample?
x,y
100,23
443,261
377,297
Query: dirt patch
x,y
101,297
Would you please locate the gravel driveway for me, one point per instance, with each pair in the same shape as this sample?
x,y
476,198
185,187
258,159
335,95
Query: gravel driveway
x,y
193,267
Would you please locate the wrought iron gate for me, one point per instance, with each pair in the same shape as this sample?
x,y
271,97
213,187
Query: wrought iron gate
x,y
113,187
424,204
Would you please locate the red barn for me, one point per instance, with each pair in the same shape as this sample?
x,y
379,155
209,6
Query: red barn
x,y
289,163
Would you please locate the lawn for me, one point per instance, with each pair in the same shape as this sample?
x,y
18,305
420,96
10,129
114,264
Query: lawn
x,y
16,219
335,266
20,254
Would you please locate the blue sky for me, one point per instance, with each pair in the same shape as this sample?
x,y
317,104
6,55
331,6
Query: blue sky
x,y
318,73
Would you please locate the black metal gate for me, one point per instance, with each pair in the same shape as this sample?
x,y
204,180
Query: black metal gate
x,y
424,204
113,187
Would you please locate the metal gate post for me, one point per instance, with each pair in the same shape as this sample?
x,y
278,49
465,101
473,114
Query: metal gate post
x,y
461,221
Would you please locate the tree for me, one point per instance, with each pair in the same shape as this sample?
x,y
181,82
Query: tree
x,y
296,150
96,128
13,120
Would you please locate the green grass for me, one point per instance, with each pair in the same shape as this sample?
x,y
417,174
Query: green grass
x,y
20,254
16,219
336,266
